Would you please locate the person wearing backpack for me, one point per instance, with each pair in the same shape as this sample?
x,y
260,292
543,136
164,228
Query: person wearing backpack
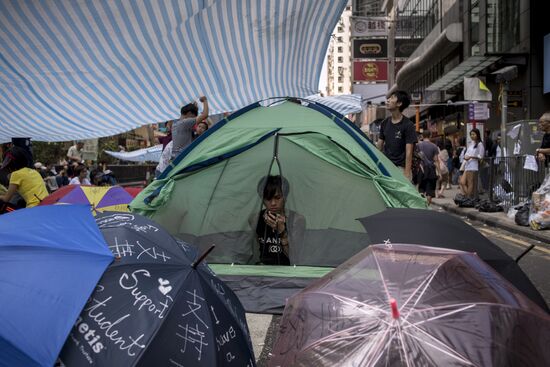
x,y
430,171
397,133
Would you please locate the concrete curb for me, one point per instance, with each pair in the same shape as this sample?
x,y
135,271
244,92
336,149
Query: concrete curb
x,y
494,220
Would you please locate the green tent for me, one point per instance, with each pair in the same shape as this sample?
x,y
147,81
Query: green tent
x,y
209,195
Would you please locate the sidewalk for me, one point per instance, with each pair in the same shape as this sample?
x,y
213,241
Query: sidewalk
x,y
499,219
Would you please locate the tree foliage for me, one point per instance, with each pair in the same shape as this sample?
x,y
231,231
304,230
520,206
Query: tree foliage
x,y
49,152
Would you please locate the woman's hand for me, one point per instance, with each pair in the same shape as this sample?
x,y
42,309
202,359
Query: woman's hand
x,y
467,157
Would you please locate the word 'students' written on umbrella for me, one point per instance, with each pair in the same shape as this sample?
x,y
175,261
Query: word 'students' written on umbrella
x,y
153,307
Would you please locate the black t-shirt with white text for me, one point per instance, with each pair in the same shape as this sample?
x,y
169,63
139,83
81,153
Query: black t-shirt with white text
x,y
271,251
396,137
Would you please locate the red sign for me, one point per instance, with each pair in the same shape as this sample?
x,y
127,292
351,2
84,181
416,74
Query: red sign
x,y
370,71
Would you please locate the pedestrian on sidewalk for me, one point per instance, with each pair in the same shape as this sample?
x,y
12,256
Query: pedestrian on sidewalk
x,y
474,153
443,183
430,168
543,153
458,157
397,133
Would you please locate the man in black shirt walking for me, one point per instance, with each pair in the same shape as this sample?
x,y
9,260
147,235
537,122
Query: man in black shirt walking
x,y
397,133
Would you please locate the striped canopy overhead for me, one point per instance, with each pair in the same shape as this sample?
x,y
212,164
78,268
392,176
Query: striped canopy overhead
x,y
84,69
345,104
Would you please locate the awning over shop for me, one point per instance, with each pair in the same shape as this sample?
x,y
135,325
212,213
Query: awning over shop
x,y
87,69
468,68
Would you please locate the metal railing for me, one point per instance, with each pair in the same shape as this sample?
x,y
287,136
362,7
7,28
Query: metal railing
x,y
508,182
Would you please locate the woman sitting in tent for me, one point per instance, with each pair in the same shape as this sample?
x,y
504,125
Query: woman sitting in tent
x,y
276,230
25,181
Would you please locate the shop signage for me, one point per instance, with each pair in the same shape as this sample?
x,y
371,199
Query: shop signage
x,y
368,27
370,71
371,48
404,47
478,111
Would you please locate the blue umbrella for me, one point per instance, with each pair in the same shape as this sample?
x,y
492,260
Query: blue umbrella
x,y
51,258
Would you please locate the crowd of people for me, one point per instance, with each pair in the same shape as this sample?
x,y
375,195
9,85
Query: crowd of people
x,y
434,165
25,183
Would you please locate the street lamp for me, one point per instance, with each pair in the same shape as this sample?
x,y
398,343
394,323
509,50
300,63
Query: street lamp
x,y
503,76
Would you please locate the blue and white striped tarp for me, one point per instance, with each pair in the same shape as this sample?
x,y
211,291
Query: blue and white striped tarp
x,y
84,69
345,104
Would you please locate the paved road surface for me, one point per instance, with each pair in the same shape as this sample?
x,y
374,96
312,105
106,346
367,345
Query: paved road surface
x,y
536,264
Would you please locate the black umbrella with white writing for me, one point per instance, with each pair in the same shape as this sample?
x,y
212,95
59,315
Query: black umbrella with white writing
x,y
158,304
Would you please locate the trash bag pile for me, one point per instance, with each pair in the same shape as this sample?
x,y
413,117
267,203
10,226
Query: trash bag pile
x,y
489,206
522,214
465,202
539,217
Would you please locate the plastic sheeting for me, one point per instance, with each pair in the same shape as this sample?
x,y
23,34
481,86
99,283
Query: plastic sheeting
x,y
151,154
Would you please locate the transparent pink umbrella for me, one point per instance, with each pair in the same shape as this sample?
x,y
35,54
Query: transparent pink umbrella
x,y
410,305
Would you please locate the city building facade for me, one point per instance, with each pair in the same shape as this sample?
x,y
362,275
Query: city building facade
x,y
339,57
500,42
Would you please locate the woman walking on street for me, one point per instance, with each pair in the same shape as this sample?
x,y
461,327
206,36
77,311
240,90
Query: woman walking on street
x,y
474,153
443,182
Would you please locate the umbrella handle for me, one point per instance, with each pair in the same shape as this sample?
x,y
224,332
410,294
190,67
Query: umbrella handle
x,y
201,258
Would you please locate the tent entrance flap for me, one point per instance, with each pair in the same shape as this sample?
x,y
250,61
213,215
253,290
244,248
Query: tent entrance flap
x,y
226,202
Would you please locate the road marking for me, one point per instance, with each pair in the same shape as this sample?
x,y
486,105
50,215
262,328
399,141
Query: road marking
x,y
522,244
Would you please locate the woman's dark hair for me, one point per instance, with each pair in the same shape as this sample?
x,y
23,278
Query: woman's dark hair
x,y
476,131
16,158
269,186
78,170
190,107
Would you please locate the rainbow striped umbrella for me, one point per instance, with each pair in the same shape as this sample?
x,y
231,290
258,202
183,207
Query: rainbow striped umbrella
x,y
100,198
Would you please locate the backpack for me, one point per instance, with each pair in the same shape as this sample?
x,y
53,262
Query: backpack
x,y
416,162
424,166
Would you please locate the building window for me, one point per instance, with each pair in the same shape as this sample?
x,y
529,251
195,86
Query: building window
x,y
340,79
340,70
340,59
340,49
340,29
340,39
418,18
502,25
340,90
